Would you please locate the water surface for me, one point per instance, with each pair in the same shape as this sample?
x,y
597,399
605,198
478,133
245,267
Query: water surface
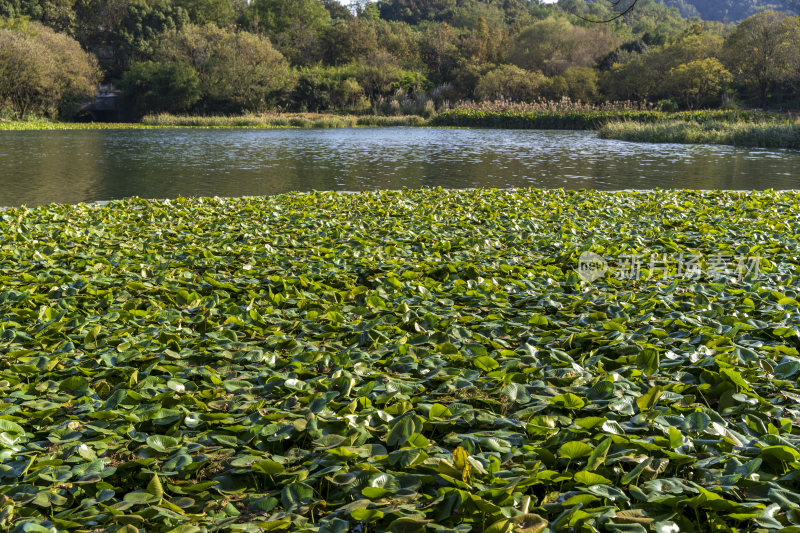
x,y
38,167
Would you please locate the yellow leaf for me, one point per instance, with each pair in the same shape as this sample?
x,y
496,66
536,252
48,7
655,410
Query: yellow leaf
x,y
460,457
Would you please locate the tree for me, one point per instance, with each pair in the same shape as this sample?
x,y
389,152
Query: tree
x,y
150,87
553,45
762,50
347,40
632,80
56,14
43,72
581,84
275,17
336,10
221,13
698,81
417,11
439,49
328,88
238,71
646,75
509,82
96,21
133,39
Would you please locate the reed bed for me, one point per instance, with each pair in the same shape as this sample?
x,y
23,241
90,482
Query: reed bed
x,y
266,121
43,124
564,105
281,120
588,118
740,133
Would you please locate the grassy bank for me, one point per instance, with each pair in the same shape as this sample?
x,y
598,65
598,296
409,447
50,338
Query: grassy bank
x,y
283,120
739,128
585,120
267,121
739,133
43,124
402,361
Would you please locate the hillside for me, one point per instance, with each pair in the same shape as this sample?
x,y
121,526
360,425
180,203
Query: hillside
x,y
731,10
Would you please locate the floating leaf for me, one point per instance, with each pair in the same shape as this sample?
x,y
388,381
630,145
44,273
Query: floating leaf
x,y
162,443
574,450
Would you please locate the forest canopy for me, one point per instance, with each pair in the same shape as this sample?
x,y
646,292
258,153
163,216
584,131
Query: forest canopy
x,y
392,56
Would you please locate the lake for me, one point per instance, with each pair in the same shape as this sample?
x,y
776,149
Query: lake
x,y
39,167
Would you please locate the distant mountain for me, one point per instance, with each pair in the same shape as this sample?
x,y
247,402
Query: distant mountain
x,y
731,10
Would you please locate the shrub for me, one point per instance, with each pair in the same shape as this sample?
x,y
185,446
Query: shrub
x,y
238,71
509,82
43,72
150,87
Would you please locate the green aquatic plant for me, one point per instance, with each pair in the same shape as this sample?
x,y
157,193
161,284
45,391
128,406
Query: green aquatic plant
x,y
266,121
737,133
590,119
421,360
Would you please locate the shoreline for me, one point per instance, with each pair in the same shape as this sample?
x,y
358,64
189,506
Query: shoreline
x,y
753,129
512,190
266,121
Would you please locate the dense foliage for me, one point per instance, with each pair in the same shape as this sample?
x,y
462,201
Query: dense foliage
x,y
43,72
402,361
731,10
569,116
419,57
736,133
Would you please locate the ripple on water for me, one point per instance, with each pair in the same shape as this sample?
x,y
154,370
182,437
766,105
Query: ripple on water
x,y
73,166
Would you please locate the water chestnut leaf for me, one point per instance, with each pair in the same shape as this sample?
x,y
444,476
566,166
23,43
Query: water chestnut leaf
x,y
410,360
162,443
568,401
574,450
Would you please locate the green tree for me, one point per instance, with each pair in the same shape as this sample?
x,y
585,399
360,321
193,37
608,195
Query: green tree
x,y
336,10
43,72
96,22
348,40
56,14
646,75
509,82
632,80
133,39
275,17
238,71
762,52
581,83
380,76
417,11
150,87
329,88
439,50
699,81
553,45
222,13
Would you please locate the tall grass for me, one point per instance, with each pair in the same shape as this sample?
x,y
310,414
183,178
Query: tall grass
x,y
281,120
266,121
740,133
43,124
403,120
575,115
564,105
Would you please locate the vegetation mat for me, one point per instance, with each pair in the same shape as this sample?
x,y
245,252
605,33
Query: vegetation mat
x,y
267,121
764,135
579,119
402,361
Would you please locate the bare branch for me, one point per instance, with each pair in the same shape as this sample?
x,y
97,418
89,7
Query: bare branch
x,y
614,3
